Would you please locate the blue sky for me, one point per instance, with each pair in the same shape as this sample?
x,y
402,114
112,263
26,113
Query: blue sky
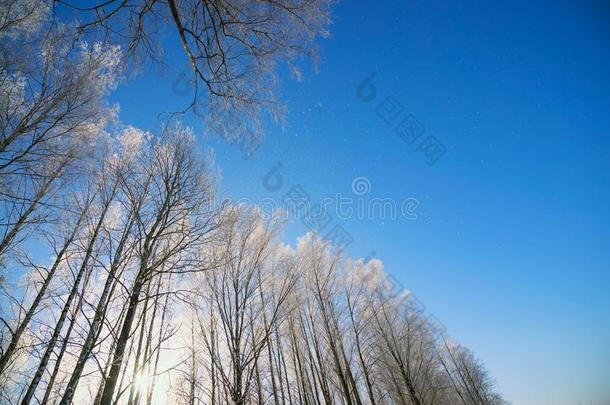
x,y
511,247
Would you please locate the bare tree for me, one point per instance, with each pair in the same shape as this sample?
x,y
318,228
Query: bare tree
x,y
177,214
107,195
52,112
150,282
245,298
74,226
231,48
470,381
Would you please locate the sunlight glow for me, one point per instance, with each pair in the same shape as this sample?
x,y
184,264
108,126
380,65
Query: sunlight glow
x,y
142,382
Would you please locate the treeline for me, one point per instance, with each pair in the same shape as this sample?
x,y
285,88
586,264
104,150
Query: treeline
x,y
155,293
123,276
272,324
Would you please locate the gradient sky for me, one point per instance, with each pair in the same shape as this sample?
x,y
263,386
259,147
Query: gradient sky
x,y
511,248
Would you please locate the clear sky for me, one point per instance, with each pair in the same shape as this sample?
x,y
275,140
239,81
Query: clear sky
x,y
510,249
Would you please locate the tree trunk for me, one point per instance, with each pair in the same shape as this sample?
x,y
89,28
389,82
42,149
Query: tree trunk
x,y
64,313
122,340
8,353
98,319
